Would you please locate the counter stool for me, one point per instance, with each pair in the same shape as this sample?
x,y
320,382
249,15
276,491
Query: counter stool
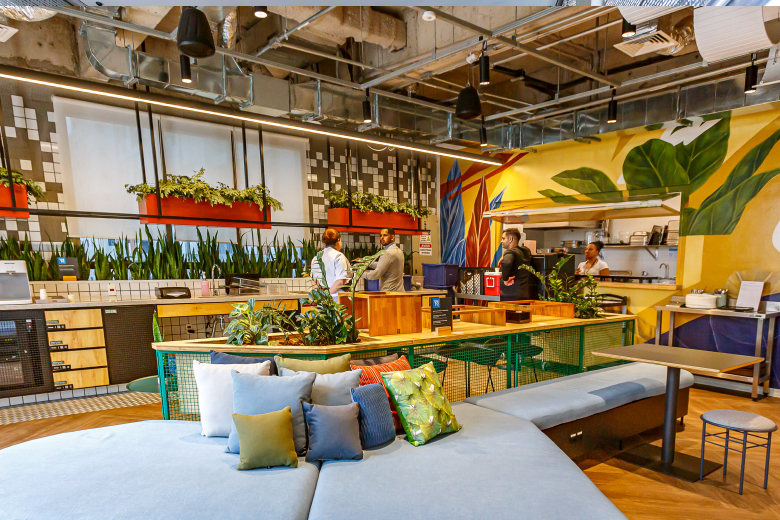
x,y
745,423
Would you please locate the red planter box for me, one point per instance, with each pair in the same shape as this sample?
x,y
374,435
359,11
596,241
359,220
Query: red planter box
x,y
371,221
20,194
178,207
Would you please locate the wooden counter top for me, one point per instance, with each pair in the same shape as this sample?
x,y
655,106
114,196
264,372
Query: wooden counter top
x,y
461,331
643,286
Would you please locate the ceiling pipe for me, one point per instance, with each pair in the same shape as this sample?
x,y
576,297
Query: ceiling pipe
x,y
523,47
85,15
274,41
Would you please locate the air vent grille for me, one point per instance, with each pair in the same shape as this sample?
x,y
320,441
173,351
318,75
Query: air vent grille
x,y
646,44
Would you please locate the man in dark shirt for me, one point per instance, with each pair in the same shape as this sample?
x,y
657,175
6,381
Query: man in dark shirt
x,y
516,282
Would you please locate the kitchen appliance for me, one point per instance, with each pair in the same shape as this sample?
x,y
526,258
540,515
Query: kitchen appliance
x,y
492,284
14,283
544,264
672,235
701,301
639,238
625,237
24,359
571,243
597,235
172,293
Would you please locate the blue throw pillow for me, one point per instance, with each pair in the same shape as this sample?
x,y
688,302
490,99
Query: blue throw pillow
x,y
376,419
334,433
220,358
255,395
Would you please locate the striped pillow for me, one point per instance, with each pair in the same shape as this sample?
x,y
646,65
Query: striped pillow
x,y
375,418
372,375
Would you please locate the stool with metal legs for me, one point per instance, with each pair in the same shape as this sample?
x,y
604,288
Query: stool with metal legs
x,y
741,422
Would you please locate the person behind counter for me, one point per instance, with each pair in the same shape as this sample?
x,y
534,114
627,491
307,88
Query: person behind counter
x,y
593,265
516,283
336,264
389,269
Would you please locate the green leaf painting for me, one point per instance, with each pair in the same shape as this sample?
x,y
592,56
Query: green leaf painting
x,y
557,196
653,165
704,155
587,181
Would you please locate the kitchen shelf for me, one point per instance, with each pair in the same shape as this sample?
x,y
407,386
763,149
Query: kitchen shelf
x,y
651,249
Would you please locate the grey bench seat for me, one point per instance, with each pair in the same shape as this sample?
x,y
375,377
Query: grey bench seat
x,y
151,469
497,467
558,401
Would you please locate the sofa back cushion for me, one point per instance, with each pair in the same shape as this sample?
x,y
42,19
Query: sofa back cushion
x,y
220,358
334,433
319,366
330,389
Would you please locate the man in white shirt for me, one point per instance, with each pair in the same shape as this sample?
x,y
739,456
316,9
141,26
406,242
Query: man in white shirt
x,y
336,264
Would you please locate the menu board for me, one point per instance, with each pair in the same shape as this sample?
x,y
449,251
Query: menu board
x,y
441,313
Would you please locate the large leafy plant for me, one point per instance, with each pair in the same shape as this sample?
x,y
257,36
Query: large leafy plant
x,y
563,288
371,202
34,190
195,188
251,326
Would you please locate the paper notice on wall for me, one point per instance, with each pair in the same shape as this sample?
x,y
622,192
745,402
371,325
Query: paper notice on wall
x,y
426,249
750,294
425,237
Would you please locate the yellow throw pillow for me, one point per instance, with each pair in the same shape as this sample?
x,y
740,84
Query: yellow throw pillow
x,y
266,440
333,365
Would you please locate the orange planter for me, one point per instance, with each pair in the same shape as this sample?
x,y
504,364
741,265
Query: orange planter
x,y
20,194
371,221
178,207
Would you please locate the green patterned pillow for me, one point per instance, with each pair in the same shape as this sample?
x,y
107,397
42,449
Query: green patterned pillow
x,y
422,406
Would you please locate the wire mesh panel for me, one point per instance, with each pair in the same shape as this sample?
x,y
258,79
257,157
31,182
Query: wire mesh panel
x,y
467,368
546,354
602,336
178,391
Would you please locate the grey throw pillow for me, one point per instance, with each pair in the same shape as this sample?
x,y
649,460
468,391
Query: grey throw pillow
x,y
330,389
334,433
263,394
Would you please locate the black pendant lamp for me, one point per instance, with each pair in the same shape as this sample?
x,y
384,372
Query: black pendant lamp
x,y
366,109
261,12
629,29
194,37
484,66
612,109
468,106
186,72
483,134
751,76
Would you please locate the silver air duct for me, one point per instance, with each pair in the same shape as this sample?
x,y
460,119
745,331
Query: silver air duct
x,y
26,13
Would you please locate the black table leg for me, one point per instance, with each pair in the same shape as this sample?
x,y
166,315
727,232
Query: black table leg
x,y
664,459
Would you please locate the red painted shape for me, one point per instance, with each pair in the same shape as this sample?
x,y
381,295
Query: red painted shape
x,y
178,207
478,238
476,168
20,194
371,221
498,170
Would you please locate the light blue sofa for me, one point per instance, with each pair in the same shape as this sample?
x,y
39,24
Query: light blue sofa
x,y
499,466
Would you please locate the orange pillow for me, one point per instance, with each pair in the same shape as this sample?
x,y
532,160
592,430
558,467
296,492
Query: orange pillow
x,y
372,375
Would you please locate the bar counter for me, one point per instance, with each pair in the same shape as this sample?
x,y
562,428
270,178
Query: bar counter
x,y
474,359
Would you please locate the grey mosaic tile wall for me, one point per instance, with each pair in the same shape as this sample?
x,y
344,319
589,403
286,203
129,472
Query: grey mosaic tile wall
x,y
31,134
388,173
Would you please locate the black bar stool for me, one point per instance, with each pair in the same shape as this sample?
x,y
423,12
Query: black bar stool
x,y
745,423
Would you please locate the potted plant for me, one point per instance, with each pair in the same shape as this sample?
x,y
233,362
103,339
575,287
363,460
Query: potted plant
x,y
563,289
373,213
191,197
323,320
25,191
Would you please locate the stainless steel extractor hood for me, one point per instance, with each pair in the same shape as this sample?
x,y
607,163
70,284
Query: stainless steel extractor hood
x,y
584,211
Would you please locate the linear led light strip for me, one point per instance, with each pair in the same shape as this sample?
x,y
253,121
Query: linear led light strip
x,y
394,144
576,209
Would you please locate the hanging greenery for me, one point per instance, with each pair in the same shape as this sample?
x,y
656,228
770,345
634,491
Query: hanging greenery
x,y
194,187
371,202
34,190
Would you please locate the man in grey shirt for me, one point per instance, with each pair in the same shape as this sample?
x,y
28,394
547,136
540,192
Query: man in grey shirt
x,y
389,269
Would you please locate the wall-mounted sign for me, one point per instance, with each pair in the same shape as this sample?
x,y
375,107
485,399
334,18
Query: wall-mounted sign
x,y
426,249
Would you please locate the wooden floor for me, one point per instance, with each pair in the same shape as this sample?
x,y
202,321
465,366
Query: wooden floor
x,y
638,493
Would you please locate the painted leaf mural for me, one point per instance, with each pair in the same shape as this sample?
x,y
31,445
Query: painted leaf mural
x,y
557,196
719,214
653,165
495,203
587,181
704,155
453,223
478,238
